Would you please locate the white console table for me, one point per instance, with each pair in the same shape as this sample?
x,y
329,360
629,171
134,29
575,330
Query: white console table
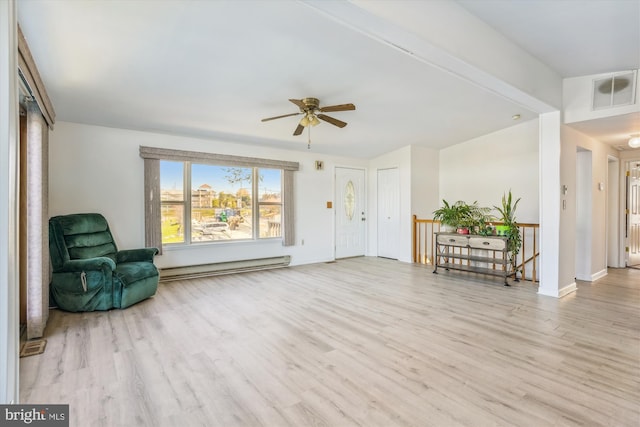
x,y
474,253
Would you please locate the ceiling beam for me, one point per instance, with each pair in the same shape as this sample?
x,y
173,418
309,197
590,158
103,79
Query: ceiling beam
x,y
418,47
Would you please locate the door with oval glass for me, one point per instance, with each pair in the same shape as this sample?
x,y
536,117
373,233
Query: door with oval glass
x,y
350,212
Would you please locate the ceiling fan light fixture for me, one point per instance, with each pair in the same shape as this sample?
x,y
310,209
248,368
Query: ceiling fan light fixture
x,y
309,119
634,142
313,114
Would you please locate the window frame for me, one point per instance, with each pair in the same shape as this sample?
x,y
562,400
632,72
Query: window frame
x,y
153,212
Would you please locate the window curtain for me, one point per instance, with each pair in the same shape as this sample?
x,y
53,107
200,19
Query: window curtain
x,y
37,219
152,157
35,212
152,214
289,236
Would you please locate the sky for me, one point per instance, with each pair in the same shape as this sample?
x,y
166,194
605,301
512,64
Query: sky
x,y
171,177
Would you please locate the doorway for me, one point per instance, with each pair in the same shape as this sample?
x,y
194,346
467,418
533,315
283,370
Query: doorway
x,y
350,212
613,214
633,214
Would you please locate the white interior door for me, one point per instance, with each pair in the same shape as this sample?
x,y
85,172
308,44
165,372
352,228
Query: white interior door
x,y
633,214
388,213
350,213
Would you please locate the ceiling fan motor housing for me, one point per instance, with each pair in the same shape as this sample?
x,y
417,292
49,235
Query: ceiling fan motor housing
x,y
311,104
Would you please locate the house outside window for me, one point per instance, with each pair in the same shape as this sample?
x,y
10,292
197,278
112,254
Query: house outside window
x,y
204,203
196,197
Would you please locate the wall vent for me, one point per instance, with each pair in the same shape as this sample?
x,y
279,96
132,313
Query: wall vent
x,y
614,91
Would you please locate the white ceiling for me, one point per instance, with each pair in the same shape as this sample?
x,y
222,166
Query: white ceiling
x,y
213,69
574,37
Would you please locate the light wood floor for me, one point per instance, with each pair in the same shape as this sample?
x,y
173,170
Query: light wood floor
x,y
358,342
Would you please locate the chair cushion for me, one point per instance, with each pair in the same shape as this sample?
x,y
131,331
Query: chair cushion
x,y
82,223
82,246
130,272
85,236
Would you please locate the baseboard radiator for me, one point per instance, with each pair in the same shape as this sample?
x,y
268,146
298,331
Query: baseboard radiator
x,y
219,268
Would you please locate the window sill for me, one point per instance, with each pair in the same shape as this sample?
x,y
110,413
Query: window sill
x,y
222,244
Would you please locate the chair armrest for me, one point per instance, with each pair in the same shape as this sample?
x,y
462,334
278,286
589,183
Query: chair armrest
x,y
89,264
136,255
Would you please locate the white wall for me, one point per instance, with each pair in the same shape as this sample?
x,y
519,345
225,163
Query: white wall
x,y
484,168
98,169
425,179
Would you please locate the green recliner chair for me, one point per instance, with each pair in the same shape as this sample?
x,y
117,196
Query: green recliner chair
x,y
90,273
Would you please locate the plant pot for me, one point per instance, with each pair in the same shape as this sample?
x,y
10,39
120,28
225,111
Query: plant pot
x,y
502,230
447,228
463,230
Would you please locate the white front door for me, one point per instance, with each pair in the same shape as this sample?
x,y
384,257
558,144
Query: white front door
x,y
350,213
633,214
388,213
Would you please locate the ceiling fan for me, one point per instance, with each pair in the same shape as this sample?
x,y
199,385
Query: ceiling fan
x,y
312,111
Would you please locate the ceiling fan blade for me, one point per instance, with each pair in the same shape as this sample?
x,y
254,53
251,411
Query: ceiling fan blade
x,y
279,117
298,130
331,120
299,103
340,107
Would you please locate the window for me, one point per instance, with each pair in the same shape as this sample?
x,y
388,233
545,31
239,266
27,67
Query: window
x,y
172,201
208,197
219,202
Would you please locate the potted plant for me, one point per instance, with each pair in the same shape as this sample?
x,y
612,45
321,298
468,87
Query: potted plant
x,y
462,217
448,215
478,217
510,227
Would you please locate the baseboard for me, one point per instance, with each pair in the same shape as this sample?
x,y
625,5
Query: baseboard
x,y
219,268
599,275
592,277
567,290
561,292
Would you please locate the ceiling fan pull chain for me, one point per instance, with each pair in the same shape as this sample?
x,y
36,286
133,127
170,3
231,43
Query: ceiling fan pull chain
x,y
309,140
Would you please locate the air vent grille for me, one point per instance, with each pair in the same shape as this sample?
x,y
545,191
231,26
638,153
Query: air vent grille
x,y
616,90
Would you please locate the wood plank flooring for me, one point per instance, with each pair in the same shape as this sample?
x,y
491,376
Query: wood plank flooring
x,y
358,342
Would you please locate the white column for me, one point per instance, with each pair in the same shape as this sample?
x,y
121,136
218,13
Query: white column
x,y
9,268
550,204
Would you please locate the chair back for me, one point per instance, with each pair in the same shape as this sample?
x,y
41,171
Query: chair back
x,y
79,236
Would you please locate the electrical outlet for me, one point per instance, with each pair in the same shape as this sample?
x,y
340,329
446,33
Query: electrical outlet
x,y
302,242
